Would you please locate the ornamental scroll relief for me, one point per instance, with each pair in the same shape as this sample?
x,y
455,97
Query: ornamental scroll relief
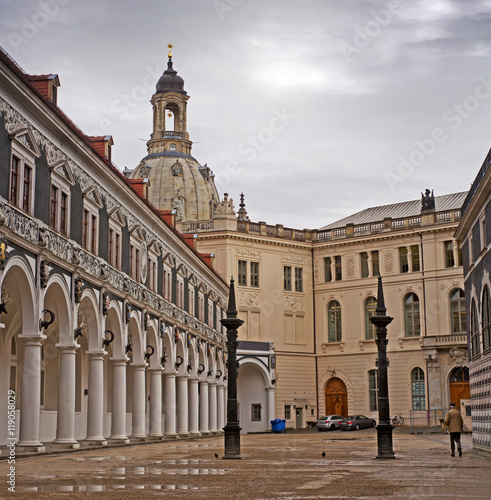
x,y
350,267
249,299
388,262
294,303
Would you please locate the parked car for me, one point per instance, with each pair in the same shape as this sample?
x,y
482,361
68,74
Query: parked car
x,y
329,422
356,422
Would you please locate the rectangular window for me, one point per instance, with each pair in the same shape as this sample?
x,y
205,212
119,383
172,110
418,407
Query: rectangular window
x,y
27,188
150,274
373,389
137,264
404,264
415,258
364,265
287,278
52,209
255,274
256,412
288,412
298,279
327,269
375,263
242,273
85,233
93,234
338,270
482,229
14,180
110,247
116,252
63,211
449,258
459,251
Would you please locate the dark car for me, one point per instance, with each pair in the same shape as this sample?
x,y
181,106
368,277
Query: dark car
x,y
329,422
356,422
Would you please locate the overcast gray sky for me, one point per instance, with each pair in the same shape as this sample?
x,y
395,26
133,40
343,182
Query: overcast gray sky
x,y
315,109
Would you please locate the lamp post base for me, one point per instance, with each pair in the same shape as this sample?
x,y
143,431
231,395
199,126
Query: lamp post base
x,y
384,441
232,442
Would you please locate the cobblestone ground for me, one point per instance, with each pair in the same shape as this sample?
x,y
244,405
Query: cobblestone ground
x,y
274,466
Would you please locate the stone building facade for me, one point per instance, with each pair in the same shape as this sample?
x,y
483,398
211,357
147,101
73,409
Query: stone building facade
x,y
475,233
110,319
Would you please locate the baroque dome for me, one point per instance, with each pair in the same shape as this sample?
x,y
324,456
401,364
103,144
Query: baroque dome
x,y
170,81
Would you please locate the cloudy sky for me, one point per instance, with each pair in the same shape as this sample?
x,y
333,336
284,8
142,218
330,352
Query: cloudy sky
x,y
315,109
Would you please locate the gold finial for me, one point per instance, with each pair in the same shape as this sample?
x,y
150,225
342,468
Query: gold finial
x,y
170,46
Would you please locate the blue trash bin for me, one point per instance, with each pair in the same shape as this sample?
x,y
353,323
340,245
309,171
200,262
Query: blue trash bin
x,y
275,425
282,424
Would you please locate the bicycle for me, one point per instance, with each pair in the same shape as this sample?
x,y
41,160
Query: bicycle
x,y
398,419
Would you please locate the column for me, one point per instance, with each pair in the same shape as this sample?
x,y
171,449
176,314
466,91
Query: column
x,y
170,405
30,402
409,259
155,427
203,408
182,405
213,407
270,412
65,416
118,415
139,396
95,403
220,408
193,407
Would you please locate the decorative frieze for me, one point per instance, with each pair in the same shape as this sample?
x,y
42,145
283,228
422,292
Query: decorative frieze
x,y
294,303
249,299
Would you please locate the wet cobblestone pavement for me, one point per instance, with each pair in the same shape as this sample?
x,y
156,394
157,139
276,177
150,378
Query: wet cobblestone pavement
x,y
274,466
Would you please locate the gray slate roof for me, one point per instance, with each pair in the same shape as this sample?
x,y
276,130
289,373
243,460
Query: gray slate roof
x,y
399,210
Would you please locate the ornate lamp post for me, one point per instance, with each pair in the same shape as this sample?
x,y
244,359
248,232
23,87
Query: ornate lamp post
x,y
232,429
384,427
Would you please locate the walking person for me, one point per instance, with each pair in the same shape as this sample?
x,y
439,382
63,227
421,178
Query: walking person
x,y
454,422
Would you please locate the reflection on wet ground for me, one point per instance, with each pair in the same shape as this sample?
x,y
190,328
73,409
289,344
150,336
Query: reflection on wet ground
x,y
112,487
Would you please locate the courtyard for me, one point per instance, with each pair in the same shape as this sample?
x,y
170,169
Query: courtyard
x,y
281,466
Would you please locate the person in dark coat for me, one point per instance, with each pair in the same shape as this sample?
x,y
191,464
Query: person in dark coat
x,y
454,422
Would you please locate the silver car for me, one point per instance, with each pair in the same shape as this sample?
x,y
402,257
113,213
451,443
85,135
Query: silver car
x,y
329,422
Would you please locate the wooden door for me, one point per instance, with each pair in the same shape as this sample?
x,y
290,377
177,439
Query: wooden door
x,y
336,398
459,386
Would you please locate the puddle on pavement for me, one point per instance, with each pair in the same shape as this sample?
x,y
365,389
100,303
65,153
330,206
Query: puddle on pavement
x,y
113,487
120,472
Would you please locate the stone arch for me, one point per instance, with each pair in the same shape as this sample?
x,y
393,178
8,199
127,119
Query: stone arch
x,y
153,340
458,384
324,380
89,309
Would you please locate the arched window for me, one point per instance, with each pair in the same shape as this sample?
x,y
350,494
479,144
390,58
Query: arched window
x,y
334,321
370,306
475,336
373,389
457,311
411,316
486,320
418,392
172,147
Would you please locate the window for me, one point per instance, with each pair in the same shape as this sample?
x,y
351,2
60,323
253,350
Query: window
x,y
136,249
457,311
24,152
375,263
242,273
210,312
486,320
167,282
288,412
201,306
482,230
404,264
475,336
172,147
418,392
373,389
415,258
287,278
327,269
334,321
370,306
256,412
411,315
180,292
298,279
470,243
191,299
116,223
152,267
449,257
255,274
59,212
364,265
459,252
90,220
337,266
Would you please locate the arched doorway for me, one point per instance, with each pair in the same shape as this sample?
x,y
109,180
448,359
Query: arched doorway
x,y
459,385
336,398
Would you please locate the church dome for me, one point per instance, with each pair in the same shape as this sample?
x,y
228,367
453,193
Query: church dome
x,y
170,81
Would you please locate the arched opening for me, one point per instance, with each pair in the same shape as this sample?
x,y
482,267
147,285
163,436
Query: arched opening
x,y
459,385
336,398
172,117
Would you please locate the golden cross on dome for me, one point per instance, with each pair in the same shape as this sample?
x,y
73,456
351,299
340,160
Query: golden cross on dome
x,y
170,46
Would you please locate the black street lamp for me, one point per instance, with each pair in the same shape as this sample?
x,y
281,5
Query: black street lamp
x,y
232,429
384,427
